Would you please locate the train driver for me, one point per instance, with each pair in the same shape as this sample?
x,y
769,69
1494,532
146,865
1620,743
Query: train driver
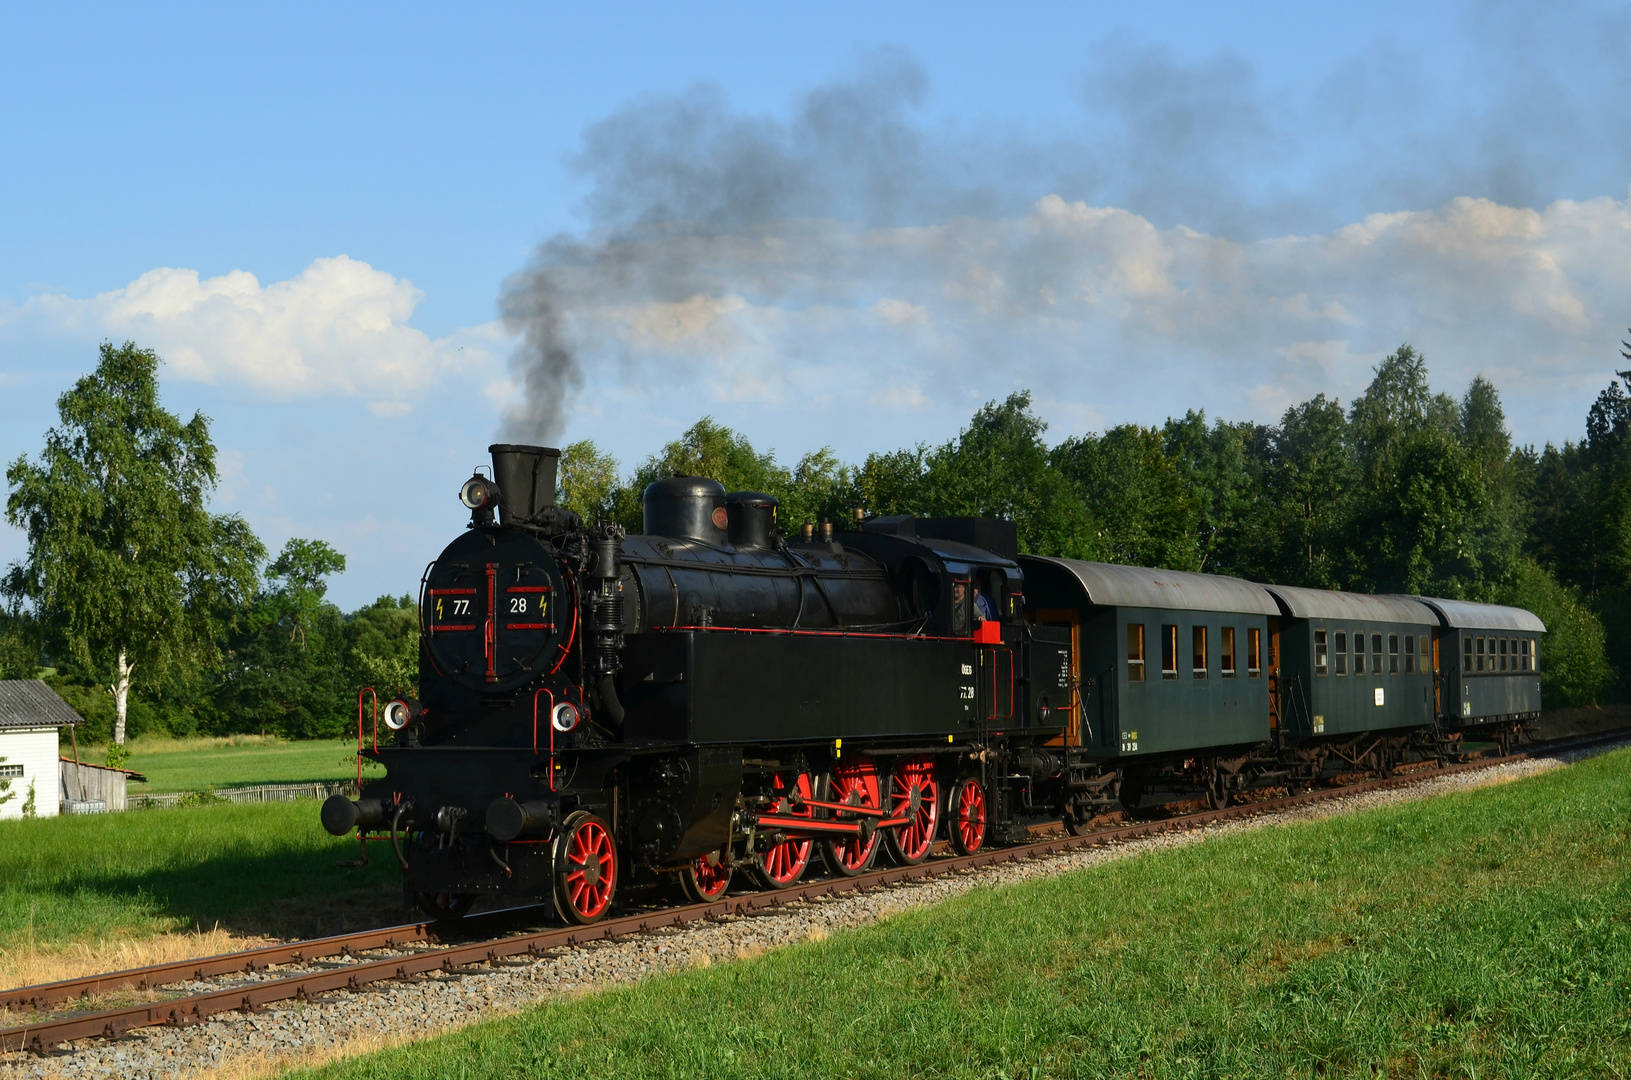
x,y
984,611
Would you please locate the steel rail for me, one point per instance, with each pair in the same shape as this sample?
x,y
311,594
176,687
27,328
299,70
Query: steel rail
x,y
193,1008
45,995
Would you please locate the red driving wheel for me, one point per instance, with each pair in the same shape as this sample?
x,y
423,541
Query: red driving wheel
x,y
704,881
585,868
856,783
783,864
967,810
913,795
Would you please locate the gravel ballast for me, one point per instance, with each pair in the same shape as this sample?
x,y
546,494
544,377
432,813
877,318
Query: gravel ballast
x,y
295,1032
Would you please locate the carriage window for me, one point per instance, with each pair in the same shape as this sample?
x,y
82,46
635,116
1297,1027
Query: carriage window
x,y
1198,641
1534,656
1410,654
1523,645
1169,652
1393,654
1135,652
1359,652
1254,652
1427,651
1478,654
1342,652
1226,652
1321,649
1505,642
960,601
1466,657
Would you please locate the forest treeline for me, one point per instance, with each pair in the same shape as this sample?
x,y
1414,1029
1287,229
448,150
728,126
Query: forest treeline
x,y
1400,490
1403,490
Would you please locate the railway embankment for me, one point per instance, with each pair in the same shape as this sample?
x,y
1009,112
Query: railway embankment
x,y
1385,928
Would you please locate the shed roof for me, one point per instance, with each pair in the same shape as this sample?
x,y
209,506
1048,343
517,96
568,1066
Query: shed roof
x,y
1302,603
1110,585
31,703
1465,613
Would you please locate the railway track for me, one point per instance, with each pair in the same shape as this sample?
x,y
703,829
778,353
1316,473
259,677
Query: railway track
x,y
440,955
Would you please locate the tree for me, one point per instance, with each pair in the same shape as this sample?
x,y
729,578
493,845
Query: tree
x,y
384,647
126,568
1308,481
998,467
287,662
1140,510
588,481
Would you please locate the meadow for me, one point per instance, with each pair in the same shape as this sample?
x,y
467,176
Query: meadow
x,y
195,764
1484,933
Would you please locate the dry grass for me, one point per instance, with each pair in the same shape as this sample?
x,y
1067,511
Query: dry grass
x,y
29,964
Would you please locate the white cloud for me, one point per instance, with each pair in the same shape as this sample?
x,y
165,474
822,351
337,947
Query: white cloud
x,y
338,327
1097,303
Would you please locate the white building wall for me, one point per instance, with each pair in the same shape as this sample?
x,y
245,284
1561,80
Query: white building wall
x,y
35,749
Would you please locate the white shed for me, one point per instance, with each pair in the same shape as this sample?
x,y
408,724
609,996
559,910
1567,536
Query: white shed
x,y
31,713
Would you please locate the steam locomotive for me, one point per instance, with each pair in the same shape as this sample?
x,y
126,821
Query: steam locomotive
x,y
715,701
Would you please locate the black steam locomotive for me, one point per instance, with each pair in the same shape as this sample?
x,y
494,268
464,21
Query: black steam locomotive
x,y
714,699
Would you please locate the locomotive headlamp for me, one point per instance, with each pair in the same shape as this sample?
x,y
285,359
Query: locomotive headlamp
x,y
566,716
478,492
402,712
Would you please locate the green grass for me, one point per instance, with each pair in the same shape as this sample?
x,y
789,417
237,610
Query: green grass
x,y
1486,933
254,869
239,761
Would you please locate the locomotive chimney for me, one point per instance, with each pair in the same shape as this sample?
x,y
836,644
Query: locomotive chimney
x,y
526,480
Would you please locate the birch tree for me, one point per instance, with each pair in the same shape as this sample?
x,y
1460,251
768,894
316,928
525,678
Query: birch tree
x,y
127,570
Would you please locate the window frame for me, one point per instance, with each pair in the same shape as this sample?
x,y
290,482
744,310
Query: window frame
x,y
1393,654
1199,647
1254,652
1410,654
1322,653
1135,661
1360,653
1478,653
1226,652
1169,651
1339,650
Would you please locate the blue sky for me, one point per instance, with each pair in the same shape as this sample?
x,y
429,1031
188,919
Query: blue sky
x,y
848,226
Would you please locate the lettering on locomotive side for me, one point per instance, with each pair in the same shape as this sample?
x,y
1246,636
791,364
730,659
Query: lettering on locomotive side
x,y
1319,725
1129,742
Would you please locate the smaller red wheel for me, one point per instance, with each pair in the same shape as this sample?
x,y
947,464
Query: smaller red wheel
x,y
703,881
967,810
913,795
585,868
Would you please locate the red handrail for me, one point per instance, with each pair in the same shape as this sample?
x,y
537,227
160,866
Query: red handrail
x,y
545,690
369,690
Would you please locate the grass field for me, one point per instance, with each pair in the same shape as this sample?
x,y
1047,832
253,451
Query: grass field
x,y
1486,933
253,870
236,761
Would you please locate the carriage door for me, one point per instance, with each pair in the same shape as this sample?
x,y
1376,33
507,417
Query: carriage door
x,y
1274,674
1068,618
